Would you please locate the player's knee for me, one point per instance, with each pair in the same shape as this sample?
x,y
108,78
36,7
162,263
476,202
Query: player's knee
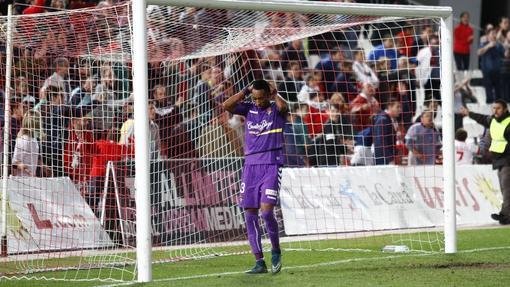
x,y
265,207
251,210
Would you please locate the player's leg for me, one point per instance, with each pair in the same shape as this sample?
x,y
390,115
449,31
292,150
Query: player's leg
x,y
250,201
255,239
274,236
269,199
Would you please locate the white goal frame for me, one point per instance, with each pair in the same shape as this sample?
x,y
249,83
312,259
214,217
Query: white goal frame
x,y
140,76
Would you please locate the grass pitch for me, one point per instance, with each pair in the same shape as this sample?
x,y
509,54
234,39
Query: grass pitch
x,y
483,260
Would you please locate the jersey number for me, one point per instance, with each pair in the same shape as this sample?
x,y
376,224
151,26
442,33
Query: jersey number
x,y
461,154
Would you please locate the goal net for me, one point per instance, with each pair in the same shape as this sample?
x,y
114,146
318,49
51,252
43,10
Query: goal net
x,y
363,165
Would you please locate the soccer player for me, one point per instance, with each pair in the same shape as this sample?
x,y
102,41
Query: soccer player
x,y
265,115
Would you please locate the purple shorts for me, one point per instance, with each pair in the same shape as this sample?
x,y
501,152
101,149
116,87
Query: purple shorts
x,y
260,183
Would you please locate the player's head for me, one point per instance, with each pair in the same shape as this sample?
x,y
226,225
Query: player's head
x,y
261,93
461,135
499,108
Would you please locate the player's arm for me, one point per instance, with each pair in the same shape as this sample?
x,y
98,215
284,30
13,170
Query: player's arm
x,y
281,104
230,103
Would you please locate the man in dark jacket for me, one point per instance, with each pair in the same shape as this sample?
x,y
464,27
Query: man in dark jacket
x,y
385,133
499,134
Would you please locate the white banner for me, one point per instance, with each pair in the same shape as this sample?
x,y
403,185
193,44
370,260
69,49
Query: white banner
x,y
50,214
325,200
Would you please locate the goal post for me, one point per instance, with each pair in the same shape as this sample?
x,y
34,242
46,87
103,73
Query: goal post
x,y
142,167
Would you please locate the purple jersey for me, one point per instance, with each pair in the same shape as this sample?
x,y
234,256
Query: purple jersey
x,y
263,133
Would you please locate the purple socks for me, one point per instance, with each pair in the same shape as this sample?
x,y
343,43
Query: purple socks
x,y
272,229
255,236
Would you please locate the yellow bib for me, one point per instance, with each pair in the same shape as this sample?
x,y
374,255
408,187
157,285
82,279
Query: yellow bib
x,y
497,130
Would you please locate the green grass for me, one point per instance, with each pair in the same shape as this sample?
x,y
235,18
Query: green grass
x,y
483,260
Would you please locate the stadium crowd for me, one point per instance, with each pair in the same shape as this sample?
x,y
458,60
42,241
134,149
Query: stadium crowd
x,y
71,114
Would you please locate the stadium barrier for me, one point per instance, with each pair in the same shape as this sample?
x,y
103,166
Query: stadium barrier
x,y
328,200
57,211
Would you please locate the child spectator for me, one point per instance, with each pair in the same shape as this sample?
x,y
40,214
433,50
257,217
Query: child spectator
x,y
464,152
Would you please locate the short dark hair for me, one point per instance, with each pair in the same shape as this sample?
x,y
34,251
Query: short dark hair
x,y
502,103
464,14
391,101
461,135
61,61
262,85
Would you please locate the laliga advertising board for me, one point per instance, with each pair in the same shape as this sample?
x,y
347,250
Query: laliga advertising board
x,y
50,214
323,200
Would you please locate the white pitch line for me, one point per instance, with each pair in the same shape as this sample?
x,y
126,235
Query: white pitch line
x,y
322,264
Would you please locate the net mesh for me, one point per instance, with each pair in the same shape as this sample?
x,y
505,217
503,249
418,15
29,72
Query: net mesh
x,y
355,86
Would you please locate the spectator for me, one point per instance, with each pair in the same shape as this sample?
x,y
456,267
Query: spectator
x,y
404,96
486,32
59,79
462,40
385,134
82,95
423,39
127,133
362,71
79,151
37,6
18,110
364,107
462,95
362,154
202,94
316,116
293,82
405,40
387,50
310,87
26,158
428,73
57,5
337,139
294,53
423,141
346,81
464,152
330,66
433,105
503,28
297,139
55,122
22,92
491,55
105,150
271,66
338,100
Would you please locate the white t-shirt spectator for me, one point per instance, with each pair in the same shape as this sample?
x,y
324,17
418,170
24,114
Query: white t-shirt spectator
x,y
26,151
464,152
365,74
